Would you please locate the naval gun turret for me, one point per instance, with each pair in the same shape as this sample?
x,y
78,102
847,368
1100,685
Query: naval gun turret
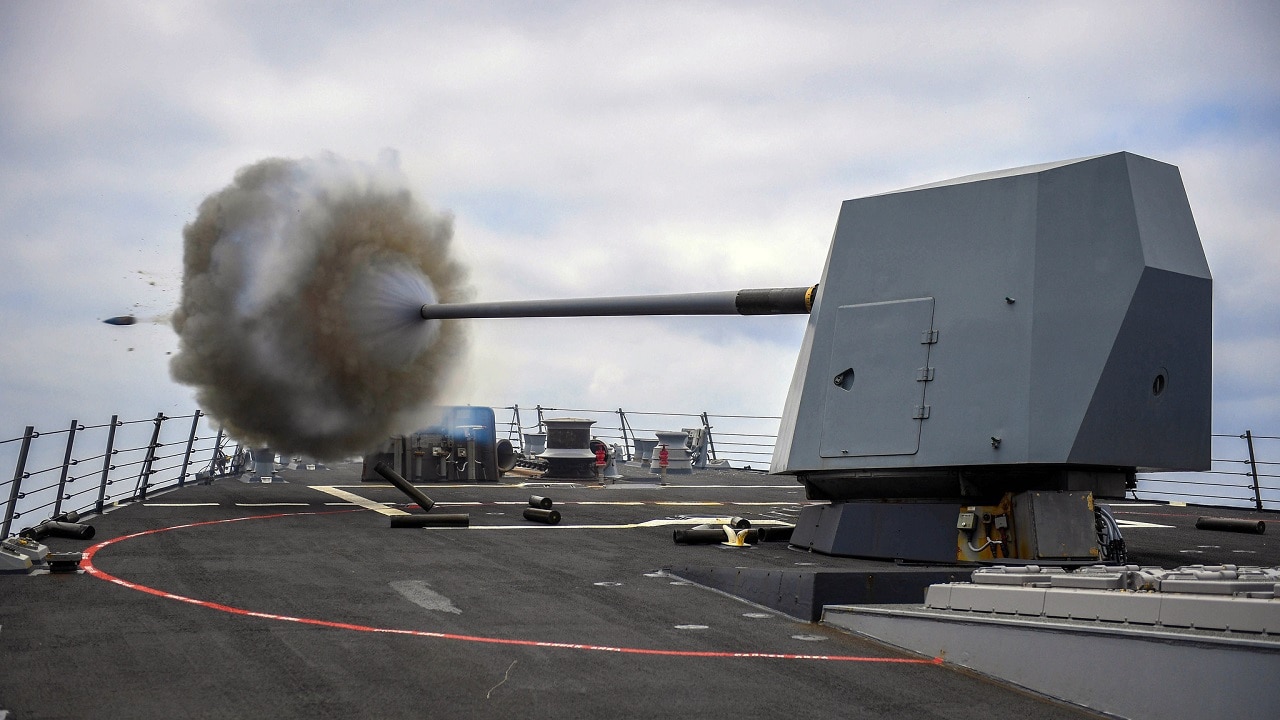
x,y
984,358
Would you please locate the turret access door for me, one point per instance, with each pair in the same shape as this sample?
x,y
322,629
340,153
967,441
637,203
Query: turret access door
x,y
878,371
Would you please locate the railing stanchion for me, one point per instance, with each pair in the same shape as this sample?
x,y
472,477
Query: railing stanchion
x,y
1253,470
711,443
107,467
144,475
218,463
18,473
515,410
626,443
66,465
191,440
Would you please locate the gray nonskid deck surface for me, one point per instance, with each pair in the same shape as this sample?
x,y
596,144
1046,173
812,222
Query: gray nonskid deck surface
x,y
79,646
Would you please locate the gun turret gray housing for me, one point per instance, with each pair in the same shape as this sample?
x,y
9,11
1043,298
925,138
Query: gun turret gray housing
x,y
1046,327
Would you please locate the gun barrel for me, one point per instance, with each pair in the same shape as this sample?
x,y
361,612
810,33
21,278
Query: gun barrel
x,y
764,301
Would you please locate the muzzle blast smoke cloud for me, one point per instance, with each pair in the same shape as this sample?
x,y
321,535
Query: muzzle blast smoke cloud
x,y
299,324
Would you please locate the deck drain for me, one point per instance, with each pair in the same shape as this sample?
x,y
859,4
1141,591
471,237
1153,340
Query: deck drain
x,y
692,627
808,638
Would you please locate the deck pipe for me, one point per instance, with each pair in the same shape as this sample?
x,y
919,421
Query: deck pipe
x,y
59,528
1257,527
775,533
704,536
405,487
542,515
768,533
737,523
537,501
763,301
431,520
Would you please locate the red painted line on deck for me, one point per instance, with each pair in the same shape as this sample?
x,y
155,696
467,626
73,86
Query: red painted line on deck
x,y
88,565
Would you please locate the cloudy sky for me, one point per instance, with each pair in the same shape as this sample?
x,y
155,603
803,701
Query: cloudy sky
x,y
595,149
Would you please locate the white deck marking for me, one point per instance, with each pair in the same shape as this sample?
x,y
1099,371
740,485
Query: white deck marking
x,y
155,504
1136,524
357,500
277,504
737,487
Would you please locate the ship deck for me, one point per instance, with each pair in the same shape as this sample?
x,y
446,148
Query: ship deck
x,y
295,599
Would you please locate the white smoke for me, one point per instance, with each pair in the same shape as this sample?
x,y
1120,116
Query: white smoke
x,y
299,322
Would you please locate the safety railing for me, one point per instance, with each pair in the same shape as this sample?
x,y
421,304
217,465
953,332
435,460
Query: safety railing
x,y
85,468
1239,476
741,441
88,467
